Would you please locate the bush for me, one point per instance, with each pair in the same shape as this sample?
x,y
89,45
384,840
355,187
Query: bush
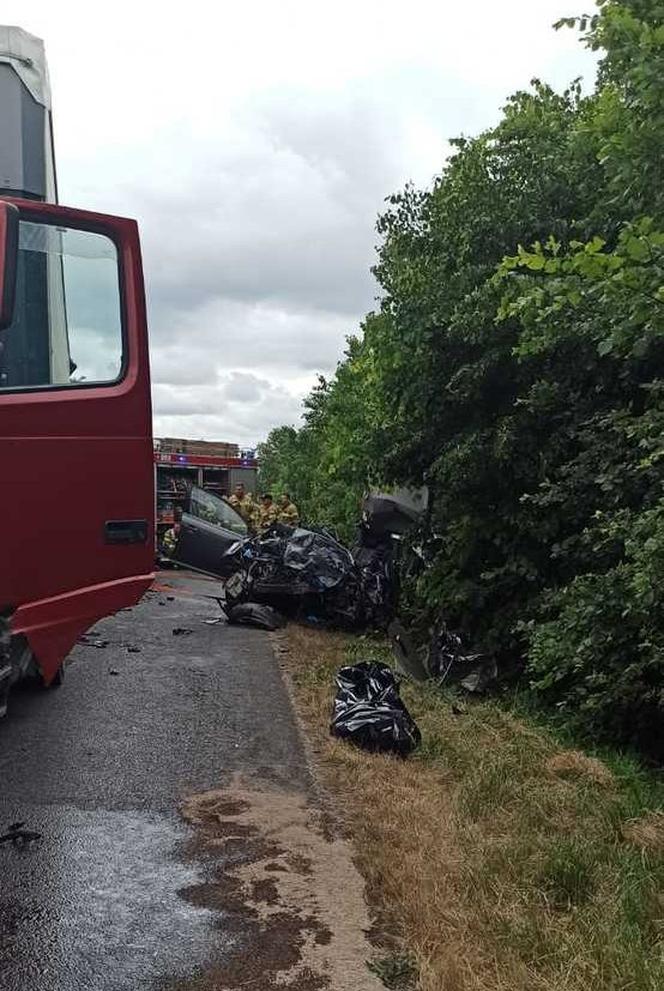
x,y
600,652
516,367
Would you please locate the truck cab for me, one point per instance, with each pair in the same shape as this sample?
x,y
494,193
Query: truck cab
x,y
76,489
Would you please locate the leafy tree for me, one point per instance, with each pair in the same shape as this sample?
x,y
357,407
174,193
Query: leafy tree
x,y
516,366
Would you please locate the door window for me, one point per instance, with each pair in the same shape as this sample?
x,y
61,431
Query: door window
x,y
67,327
211,509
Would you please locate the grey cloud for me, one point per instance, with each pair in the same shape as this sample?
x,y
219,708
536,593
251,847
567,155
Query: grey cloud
x,y
222,334
186,363
245,387
179,400
287,219
257,179
188,413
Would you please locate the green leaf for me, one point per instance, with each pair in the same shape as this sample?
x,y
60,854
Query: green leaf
x,y
637,249
595,245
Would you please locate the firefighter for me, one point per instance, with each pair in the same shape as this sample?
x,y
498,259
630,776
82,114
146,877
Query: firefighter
x,y
267,513
172,535
288,512
250,512
242,503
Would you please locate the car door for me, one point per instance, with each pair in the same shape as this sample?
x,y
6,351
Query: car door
x,y
209,527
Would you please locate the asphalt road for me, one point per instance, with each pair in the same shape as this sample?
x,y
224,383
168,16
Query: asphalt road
x,y
100,767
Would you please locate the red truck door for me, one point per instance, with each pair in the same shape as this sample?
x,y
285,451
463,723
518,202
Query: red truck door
x,y
77,486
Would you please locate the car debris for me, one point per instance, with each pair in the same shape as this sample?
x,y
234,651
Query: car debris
x,y
89,641
447,661
384,513
443,658
181,631
299,573
369,712
374,554
309,575
306,574
18,835
256,614
410,658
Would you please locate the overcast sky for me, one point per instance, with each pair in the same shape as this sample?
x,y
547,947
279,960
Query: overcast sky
x,y
255,142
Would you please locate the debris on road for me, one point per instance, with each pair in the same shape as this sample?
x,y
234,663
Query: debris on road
x,y
369,711
18,835
89,641
113,671
131,649
256,614
181,631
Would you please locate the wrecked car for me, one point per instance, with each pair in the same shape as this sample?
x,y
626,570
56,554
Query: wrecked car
x,y
310,575
305,573
200,539
302,573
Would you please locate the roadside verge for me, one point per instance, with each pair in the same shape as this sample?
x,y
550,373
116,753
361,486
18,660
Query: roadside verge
x,y
494,858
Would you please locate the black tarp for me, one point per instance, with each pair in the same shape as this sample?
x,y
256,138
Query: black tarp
x,y
369,712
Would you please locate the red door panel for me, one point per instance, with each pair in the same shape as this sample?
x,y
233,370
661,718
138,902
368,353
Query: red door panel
x,y
75,456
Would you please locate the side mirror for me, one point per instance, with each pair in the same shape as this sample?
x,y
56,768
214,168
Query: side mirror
x,y
8,261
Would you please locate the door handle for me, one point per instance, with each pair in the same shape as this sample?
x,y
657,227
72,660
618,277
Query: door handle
x,y
126,532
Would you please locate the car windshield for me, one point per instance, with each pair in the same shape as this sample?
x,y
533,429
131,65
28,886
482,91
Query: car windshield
x,y
211,509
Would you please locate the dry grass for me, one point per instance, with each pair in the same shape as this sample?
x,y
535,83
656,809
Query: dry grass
x,y
647,833
575,766
496,858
